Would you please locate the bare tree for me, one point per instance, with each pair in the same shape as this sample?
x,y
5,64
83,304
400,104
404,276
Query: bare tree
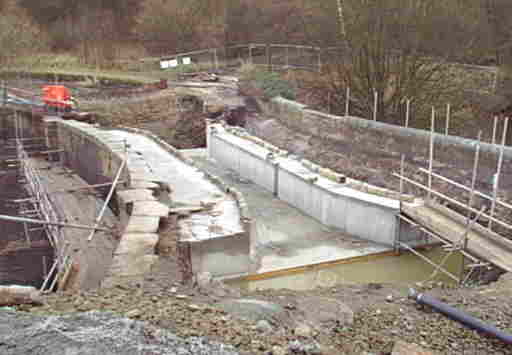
x,y
385,50
18,35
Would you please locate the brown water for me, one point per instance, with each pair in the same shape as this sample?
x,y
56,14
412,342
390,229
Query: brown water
x,y
404,270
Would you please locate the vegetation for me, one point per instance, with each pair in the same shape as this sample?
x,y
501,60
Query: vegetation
x,y
265,84
397,49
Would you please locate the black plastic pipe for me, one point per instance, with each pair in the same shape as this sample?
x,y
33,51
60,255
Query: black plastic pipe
x,y
459,316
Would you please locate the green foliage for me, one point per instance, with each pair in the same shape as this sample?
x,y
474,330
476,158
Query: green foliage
x,y
269,83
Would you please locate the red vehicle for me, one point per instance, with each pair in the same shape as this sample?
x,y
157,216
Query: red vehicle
x,y
58,98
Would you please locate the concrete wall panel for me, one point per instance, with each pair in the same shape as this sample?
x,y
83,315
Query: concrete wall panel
x,y
222,256
354,212
247,165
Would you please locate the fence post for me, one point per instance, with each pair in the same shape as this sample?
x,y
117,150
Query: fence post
x,y
375,104
495,126
473,178
448,109
319,60
269,58
347,102
407,112
431,158
215,59
496,181
4,93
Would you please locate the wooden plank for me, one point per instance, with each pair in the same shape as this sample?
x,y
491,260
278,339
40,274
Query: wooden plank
x,y
301,269
451,230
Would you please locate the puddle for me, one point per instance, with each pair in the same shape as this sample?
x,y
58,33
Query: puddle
x,y
403,270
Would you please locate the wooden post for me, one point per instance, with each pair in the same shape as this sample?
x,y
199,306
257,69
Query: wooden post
x,y
250,54
347,102
498,172
431,158
407,112
447,128
375,104
495,126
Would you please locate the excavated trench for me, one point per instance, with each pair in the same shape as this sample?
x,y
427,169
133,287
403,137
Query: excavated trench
x,y
22,262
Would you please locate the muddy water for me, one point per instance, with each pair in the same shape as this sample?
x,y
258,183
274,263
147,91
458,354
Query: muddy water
x,y
20,263
403,270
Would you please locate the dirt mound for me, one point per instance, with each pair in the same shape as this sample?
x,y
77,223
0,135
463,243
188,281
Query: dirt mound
x,y
190,131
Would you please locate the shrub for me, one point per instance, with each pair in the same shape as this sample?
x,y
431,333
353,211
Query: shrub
x,y
267,84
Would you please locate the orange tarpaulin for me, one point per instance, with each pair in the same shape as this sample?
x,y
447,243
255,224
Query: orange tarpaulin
x,y
57,96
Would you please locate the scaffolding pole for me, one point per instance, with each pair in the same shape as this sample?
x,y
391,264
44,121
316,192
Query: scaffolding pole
x,y
47,223
496,181
109,196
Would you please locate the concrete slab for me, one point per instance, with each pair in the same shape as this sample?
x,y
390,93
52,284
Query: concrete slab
x,y
283,236
150,208
144,176
189,185
142,224
140,184
127,196
139,169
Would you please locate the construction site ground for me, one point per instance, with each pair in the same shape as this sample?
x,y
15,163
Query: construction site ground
x,y
80,205
370,319
318,320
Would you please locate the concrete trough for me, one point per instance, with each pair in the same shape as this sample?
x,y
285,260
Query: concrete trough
x,y
367,216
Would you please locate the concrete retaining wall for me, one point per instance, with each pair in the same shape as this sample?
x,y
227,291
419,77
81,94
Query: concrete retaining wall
x,y
356,213
251,164
96,157
319,123
204,255
453,156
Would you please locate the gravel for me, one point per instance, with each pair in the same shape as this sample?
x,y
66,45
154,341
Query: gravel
x,y
95,333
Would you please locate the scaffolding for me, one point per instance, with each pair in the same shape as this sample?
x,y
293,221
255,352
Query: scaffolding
x,y
473,215
39,209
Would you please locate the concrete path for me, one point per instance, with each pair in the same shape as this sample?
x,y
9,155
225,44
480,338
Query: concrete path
x,y
282,236
446,224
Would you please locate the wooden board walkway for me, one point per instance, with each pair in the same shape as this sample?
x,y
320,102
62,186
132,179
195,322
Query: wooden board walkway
x,y
451,227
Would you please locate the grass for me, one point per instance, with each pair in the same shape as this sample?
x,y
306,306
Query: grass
x,y
68,67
